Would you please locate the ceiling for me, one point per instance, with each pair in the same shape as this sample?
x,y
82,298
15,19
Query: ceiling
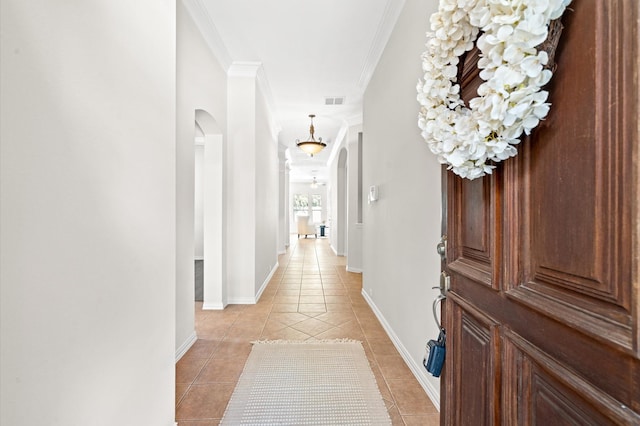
x,y
309,50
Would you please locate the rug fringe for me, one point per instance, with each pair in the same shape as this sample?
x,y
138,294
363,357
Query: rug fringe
x,y
282,341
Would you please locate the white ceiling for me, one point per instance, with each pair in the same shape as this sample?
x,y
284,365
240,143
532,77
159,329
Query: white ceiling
x,y
309,50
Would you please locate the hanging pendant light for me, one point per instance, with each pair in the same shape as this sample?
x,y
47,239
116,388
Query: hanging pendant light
x,y
311,146
314,183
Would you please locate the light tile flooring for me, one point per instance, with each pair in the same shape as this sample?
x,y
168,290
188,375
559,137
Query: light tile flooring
x,y
311,296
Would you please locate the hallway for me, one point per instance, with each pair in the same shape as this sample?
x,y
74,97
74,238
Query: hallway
x,y
311,296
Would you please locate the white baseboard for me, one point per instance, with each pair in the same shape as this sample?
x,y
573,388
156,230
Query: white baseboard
x,y
242,300
356,270
417,370
186,345
218,306
266,281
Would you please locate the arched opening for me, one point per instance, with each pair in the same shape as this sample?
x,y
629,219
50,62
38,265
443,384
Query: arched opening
x,y
209,221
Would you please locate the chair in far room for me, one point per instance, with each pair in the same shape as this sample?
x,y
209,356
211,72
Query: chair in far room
x,y
305,227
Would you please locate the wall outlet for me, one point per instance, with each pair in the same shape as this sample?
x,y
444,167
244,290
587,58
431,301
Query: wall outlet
x,y
370,292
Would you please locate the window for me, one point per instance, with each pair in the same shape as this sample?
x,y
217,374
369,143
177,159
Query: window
x,y
308,205
300,204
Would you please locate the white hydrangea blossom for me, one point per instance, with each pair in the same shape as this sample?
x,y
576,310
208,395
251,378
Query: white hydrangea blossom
x,y
509,102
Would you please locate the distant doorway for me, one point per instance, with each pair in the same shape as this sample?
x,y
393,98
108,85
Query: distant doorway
x,y
199,280
209,221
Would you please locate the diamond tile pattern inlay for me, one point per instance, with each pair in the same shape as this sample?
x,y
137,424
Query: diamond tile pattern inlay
x,y
310,297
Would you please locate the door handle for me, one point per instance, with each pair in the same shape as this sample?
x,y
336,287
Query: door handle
x,y
445,284
445,280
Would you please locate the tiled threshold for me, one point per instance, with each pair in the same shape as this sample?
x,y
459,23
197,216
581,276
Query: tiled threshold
x,y
311,296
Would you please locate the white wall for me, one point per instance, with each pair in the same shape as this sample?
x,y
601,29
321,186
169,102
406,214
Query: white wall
x,y
401,230
340,202
266,196
354,227
252,191
87,186
201,84
332,201
283,202
241,179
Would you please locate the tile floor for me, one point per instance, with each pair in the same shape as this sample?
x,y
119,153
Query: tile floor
x,y
311,296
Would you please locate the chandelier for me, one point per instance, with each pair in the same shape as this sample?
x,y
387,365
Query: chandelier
x,y
311,146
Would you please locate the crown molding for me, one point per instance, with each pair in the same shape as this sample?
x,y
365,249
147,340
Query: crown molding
x,y
244,69
265,88
340,138
207,28
385,28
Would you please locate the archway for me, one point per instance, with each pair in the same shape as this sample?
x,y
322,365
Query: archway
x,y
209,211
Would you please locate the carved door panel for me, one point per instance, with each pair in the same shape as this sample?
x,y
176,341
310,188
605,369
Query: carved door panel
x,y
542,317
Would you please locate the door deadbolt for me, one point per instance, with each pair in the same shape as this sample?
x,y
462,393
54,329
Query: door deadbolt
x,y
441,248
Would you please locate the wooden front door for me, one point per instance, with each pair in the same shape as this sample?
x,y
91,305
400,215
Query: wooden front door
x,y
542,317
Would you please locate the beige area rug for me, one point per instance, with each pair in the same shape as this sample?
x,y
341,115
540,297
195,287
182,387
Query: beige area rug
x,y
307,383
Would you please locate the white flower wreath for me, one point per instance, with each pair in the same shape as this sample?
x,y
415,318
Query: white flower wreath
x,y
510,100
